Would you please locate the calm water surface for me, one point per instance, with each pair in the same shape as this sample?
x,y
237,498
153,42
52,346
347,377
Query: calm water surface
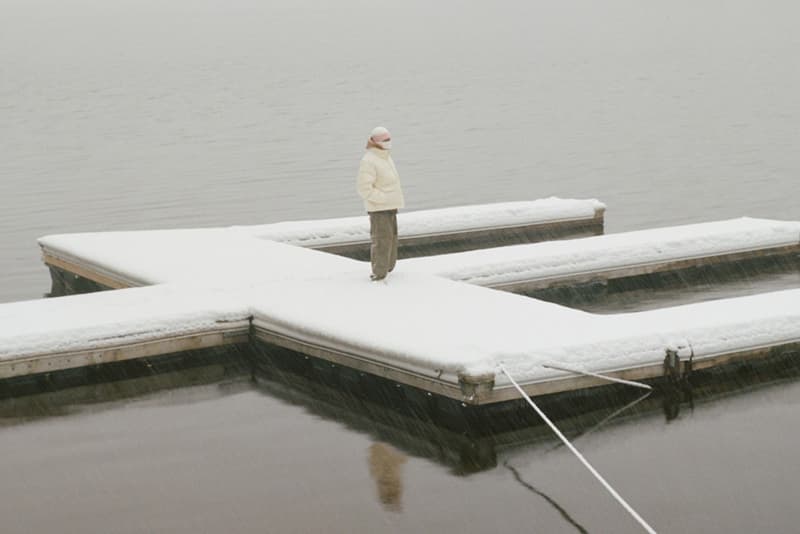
x,y
135,115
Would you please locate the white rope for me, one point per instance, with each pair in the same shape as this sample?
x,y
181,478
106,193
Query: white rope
x,y
607,418
596,375
577,453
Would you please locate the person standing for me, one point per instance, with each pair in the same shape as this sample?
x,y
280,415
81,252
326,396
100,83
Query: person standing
x,y
379,188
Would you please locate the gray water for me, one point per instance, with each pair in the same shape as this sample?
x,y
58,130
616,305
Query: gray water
x,y
143,114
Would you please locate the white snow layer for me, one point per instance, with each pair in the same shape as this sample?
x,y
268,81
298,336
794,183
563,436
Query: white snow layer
x,y
426,222
115,246
108,318
503,265
440,325
208,257
416,320
213,255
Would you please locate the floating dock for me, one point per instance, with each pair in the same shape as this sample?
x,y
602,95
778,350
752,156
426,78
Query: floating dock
x,y
48,335
528,268
114,260
446,337
447,230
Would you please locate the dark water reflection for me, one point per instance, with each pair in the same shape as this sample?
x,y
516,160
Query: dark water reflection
x,y
221,446
386,468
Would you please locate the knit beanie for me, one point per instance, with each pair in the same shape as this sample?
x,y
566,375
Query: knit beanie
x,y
381,137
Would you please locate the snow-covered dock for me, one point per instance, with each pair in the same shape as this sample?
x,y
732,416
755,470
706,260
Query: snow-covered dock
x,y
121,259
47,335
444,337
447,337
437,231
526,268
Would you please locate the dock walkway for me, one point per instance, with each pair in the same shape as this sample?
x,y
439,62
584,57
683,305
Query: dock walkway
x,y
436,231
530,267
222,286
47,335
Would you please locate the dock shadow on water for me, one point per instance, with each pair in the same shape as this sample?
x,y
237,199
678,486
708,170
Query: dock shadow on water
x,y
401,419
105,387
468,438
398,422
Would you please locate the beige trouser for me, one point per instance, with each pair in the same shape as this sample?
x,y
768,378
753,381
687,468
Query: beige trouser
x,y
383,233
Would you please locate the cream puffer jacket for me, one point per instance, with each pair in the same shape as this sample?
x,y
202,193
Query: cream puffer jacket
x,y
378,181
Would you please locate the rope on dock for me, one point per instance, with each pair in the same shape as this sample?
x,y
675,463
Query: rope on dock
x,y
597,375
577,453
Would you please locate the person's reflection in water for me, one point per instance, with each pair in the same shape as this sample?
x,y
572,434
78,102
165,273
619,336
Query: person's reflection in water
x,y
385,466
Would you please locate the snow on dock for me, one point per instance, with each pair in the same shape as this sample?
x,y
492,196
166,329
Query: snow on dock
x,y
534,266
549,217
211,257
416,328
114,259
61,333
442,335
633,345
219,286
130,259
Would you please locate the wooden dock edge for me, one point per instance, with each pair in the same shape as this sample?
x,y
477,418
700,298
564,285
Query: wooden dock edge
x,y
45,363
475,390
481,389
437,384
601,276
94,273
571,382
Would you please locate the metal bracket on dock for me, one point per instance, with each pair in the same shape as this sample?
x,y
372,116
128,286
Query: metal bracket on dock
x,y
672,366
475,387
674,371
678,386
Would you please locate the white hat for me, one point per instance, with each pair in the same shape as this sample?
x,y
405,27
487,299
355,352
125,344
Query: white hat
x,y
381,137
380,134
